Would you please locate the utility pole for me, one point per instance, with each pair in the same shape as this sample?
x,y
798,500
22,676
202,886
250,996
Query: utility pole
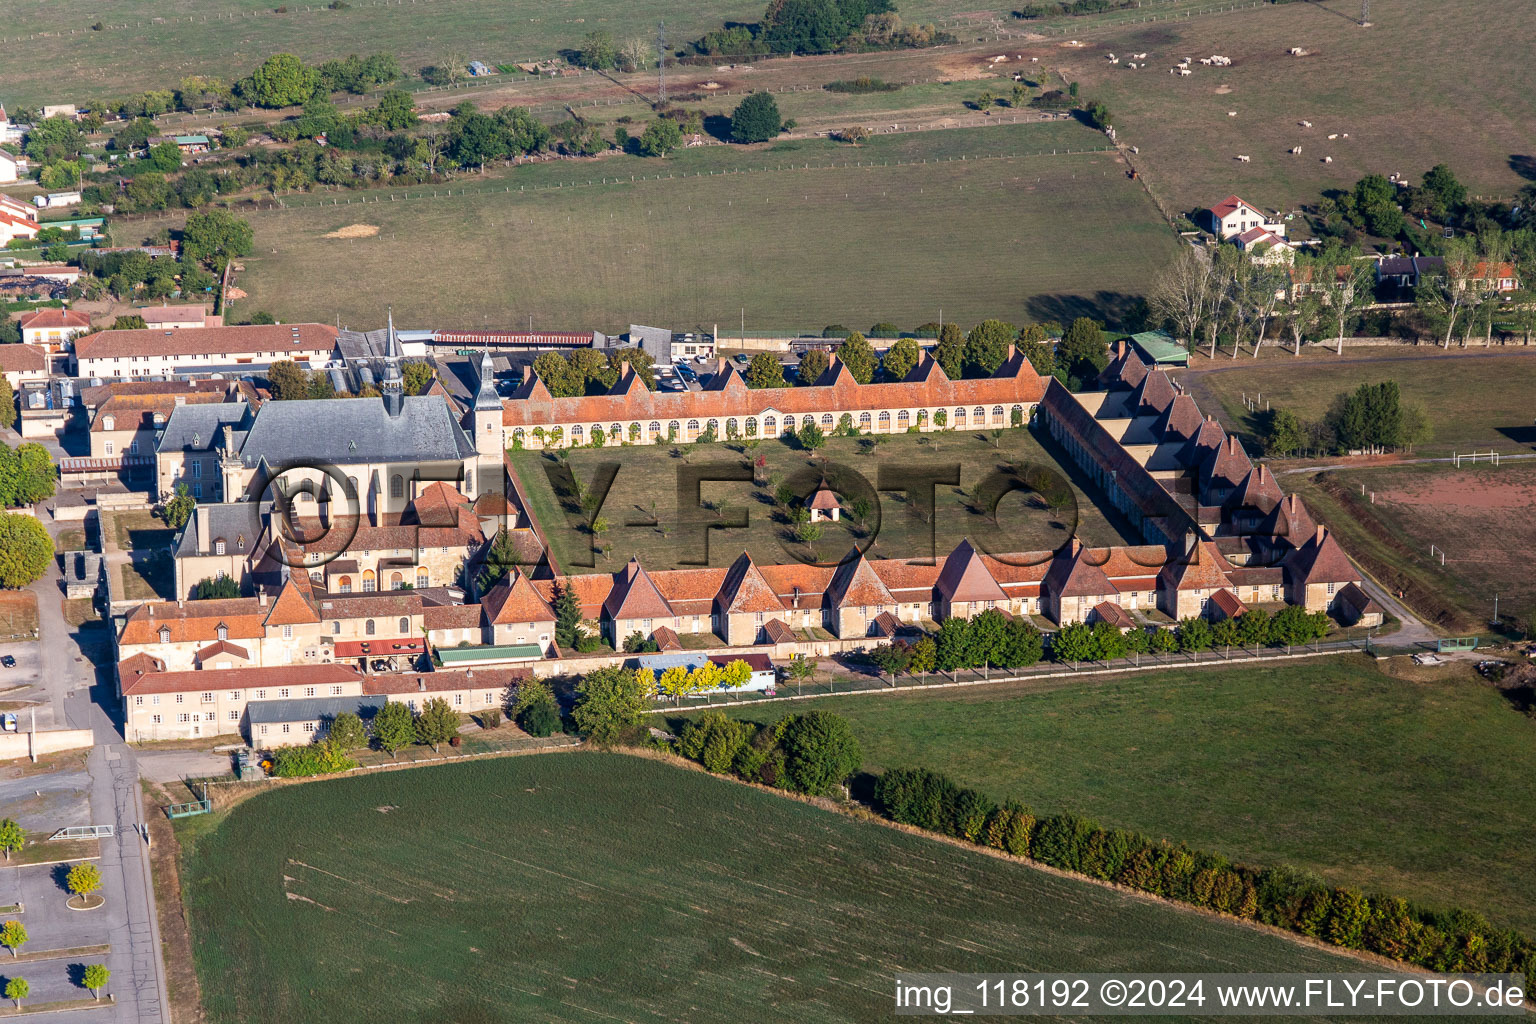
x,y
661,64
1365,13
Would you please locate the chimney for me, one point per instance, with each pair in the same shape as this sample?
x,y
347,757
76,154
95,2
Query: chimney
x,y
261,597
1322,532
421,684
1190,545
204,541
527,372
1077,547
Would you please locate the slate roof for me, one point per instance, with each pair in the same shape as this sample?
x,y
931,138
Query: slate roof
x,y
200,427
304,709
347,431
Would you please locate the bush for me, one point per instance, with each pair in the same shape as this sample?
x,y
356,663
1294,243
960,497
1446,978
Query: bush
x,y
540,720
323,758
860,85
756,119
490,719
820,752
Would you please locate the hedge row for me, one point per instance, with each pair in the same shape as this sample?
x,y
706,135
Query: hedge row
x,y
1448,941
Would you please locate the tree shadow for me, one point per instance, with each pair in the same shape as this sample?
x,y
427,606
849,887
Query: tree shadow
x,y
1107,307
1523,164
718,126
1520,435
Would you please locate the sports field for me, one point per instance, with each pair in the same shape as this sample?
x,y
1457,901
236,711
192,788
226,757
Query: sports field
x,y
1479,516
1413,782
1473,399
860,235
1472,114
590,887
647,482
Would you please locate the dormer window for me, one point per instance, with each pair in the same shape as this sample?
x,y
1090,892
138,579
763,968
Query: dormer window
x,y
223,631
165,634
218,546
108,423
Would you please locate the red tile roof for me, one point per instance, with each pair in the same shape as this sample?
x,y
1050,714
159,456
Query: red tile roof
x,y
635,596
1321,560
854,583
436,682
1227,603
515,599
965,578
219,647
20,358
746,590
193,621
55,319
1108,611
240,678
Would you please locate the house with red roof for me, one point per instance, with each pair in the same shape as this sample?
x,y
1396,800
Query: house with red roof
x,y
1233,216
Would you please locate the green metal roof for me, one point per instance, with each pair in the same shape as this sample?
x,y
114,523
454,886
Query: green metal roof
x,y
489,652
188,140
1160,347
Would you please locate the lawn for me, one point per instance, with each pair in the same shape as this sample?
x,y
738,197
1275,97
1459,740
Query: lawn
x,y
1474,115
18,615
1478,515
599,887
145,44
796,235
647,479
1417,788
1472,399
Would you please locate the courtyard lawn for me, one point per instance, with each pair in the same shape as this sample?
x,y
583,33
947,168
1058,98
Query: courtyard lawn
x,y
646,484
587,887
1407,781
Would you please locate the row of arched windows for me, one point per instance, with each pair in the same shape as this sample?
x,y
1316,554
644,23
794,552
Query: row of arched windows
x,y
958,417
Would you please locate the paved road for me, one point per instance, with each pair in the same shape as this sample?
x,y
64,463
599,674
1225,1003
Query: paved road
x,y
78,687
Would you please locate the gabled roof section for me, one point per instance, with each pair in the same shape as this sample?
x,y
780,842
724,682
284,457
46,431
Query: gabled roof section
x,y
855,583
1227,603
1072,575
1181,421
1229,465
837,374
1259,490
533,388
295,603
1291,520
927,371
1321,560
219,647
777,632
635,595
1112,613
1202,568
745,589
725,378
1230,205
1155,394
515,599
966,579
629,382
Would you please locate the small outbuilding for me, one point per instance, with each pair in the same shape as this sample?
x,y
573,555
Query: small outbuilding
x,y
823,505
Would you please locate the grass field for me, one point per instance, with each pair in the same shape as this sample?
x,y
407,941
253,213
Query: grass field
x,y
1418,788
18,614
537,888
1478,515
1027,237
1476,116
648,474
1472,399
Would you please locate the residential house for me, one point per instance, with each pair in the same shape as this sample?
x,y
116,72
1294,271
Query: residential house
x,y
23,364
53,329
1232,217
175,318
250,348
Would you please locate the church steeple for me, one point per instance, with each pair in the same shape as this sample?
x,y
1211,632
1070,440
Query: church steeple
x,y
392,387
486,398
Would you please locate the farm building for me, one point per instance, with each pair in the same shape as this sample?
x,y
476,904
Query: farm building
x,y
1232,216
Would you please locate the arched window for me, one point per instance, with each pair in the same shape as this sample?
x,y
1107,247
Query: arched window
x,y
693,427
352,487
405,627
576,433
517,435
421,577
864,421
655,428
673,429
902,420
316,576
344,584
368,627
751,426
826,420
789,424
369,583
731,426
959,417
770,426
1017,413
396,581
981,416
616,432
336,628
108,423
397,486
885,421
597,428
997,414
714,427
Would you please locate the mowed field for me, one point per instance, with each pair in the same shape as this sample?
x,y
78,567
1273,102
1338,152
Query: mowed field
x,y
1415,785
602,887
1480,516
973,232
1409,91
1472,399
648,479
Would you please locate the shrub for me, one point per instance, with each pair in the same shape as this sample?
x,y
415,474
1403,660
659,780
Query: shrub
x,y
490,719
541,720
820,752
860,85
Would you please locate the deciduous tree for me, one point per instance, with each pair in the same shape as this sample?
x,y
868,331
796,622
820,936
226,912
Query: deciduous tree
x,y
95,978
394,728
986,347
859,356
756,119
25,551
900,359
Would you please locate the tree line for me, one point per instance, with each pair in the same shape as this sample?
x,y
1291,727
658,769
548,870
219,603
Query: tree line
x,y
1372,418
1283,897
818,26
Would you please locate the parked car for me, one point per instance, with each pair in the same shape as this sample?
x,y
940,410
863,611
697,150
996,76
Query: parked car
x,y
8,661
686,373
741,357
8,721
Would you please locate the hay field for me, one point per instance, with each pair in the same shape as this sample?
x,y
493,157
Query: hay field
x,y
1021,238
1394,779
592,887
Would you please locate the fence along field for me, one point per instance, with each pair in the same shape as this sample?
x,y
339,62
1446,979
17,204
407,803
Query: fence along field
x,y
1026,238
1473,114
1406,781
1451,538
598,886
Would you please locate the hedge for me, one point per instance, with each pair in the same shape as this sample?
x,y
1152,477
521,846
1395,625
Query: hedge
x,y
1439,940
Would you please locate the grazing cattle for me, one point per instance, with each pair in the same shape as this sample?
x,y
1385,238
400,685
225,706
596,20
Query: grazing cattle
x,y
1306,124
1242,159
1333,136
1231,113
1327,159
1295,150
